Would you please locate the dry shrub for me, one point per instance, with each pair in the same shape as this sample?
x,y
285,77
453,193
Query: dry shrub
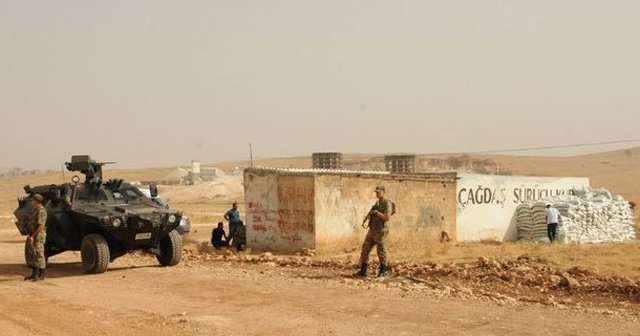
x,y
490,241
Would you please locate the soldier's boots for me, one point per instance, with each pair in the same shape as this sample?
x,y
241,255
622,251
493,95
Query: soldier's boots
x,y
37,274
362,272
34,275
383,270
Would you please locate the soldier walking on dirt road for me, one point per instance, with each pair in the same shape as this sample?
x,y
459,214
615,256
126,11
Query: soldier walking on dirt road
x,y
378,217
34,246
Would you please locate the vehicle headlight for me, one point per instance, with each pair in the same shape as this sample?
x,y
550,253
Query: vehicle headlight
x,y
172,219
116,222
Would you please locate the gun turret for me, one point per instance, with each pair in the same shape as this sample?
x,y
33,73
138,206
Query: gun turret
x,y
91,169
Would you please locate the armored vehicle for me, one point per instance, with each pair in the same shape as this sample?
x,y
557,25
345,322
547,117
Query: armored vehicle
x,y
185,223
103,220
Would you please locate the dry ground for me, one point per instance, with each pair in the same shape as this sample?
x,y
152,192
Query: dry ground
x,y
486,288
217,294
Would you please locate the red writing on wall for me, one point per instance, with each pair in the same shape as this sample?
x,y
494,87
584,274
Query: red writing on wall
x,y
290,222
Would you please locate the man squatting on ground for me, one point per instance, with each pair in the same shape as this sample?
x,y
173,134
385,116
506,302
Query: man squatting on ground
x,y
34,246
216,237
378,217
553,216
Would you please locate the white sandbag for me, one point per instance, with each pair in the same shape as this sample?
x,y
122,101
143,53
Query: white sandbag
x,y
588,216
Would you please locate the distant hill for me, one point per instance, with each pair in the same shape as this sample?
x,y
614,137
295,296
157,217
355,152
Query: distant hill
x,y
617,171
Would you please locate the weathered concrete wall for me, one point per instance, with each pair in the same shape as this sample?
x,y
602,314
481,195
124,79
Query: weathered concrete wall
x,y
341,205
486,203
280,214
261,203
287,211
425,207
296,213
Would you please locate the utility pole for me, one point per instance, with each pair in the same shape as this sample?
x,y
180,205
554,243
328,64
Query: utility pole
x,y
64,180
251,155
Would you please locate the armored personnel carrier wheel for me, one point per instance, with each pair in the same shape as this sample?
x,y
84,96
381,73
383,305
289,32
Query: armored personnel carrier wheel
x,y
95,253
170,249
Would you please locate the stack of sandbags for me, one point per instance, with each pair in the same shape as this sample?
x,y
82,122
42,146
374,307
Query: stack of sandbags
x,y
539,221
531,221
601,218
524,220
588,216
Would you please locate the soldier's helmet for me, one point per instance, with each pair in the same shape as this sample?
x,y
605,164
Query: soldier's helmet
x,y
38,198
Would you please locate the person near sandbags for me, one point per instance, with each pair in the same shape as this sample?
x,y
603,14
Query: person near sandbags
x,y
553,217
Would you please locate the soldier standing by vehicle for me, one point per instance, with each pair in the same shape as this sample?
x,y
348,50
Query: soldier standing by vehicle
x,y
378,217
233,217
34,246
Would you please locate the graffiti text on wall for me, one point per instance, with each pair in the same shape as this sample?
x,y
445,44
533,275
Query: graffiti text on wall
x,y
485,195
290,224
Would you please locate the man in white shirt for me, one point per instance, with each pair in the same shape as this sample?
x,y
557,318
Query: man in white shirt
x,y
553,215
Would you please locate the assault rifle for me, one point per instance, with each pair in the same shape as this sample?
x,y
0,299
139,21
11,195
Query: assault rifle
x,y
368,216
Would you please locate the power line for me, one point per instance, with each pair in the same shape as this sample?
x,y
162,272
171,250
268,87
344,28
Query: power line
x,y
524,149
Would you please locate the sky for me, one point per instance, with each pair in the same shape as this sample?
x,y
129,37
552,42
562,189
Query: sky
x,y
159,83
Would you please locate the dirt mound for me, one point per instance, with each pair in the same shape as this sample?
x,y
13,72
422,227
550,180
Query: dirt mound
x,y
223,187
524,280
529,279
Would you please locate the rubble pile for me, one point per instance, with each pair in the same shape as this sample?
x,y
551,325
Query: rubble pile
x,y
525,279
587,216
197,253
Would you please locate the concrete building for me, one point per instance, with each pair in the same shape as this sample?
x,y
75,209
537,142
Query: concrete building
x,y
194,173
327,160
289,209
400,164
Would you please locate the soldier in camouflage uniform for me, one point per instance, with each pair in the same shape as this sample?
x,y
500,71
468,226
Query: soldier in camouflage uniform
x,y
378,230
34,246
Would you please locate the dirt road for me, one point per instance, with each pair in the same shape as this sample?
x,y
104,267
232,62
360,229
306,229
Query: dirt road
x,y
200,297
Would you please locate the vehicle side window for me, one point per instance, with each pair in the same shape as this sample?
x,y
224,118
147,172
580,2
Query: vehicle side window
x,y
86,194
81,194
102,196
132,194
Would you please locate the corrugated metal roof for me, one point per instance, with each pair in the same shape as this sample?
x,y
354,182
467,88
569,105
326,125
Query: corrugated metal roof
x,y
322,171
445,176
